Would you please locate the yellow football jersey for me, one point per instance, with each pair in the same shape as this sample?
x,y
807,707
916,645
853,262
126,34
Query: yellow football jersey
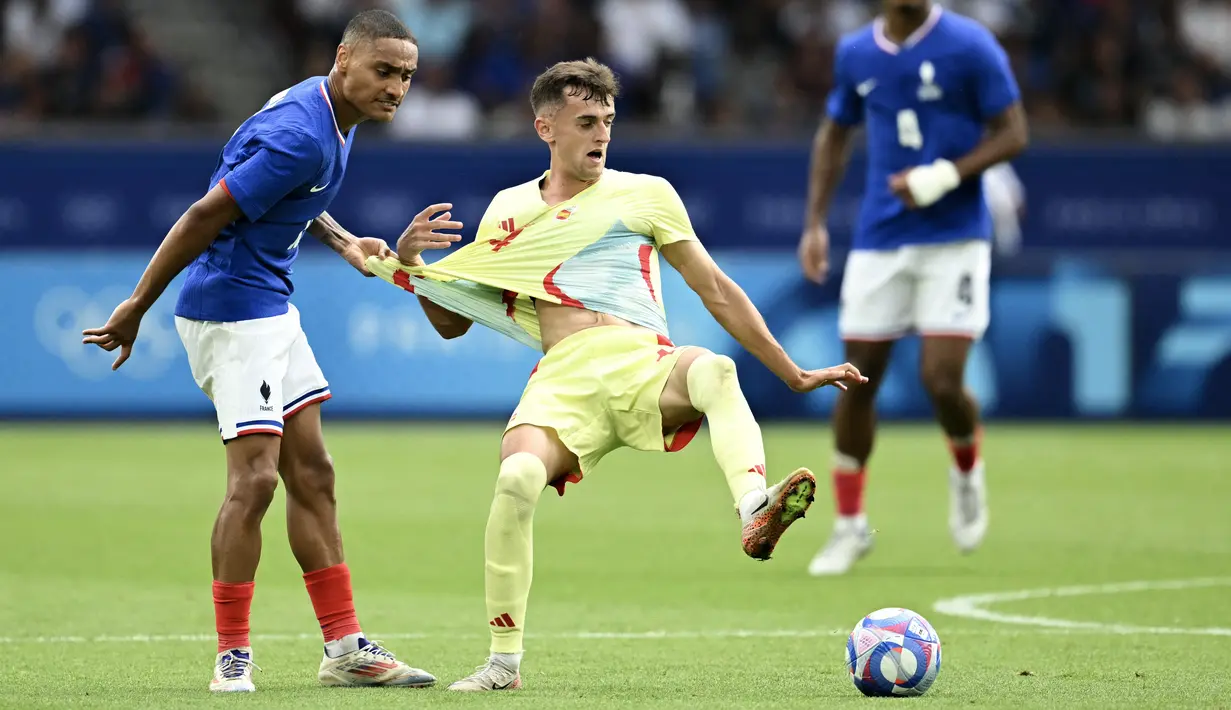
x,y
598,251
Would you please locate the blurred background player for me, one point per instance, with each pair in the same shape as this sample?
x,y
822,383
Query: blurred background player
x,y
276,177
581,242
941,106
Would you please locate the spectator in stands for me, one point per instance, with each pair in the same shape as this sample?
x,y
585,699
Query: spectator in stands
x,y
731,65
85,59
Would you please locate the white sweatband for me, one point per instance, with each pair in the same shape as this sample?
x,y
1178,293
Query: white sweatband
x,y
929,183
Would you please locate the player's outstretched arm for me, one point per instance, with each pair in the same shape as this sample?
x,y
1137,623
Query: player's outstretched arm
x,y
191,234
355,250
830,152
735,312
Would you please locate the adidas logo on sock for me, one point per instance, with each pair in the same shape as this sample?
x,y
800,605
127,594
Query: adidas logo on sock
x,y
759,468
504,621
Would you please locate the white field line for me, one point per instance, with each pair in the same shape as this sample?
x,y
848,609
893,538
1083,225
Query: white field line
x,y
569,636
974,606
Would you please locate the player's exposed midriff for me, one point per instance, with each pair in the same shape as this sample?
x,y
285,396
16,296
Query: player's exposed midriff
x,y
557,322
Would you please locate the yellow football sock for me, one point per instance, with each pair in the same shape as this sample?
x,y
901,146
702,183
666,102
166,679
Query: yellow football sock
x,y
509,548
713,388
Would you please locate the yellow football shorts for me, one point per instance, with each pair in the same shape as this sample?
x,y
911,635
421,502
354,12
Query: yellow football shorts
x,y
599,390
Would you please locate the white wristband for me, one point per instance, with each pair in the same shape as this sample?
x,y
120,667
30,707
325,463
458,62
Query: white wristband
x,y
929,183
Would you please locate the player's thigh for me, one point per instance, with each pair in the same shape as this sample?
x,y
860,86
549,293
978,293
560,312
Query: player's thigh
x,y
876,296
954,286
241,367
674,403
543,442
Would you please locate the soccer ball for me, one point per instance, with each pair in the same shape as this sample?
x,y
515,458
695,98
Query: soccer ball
x,y
893,652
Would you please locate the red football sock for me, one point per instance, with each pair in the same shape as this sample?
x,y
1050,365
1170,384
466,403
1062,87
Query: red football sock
x,y
232,602
848,490
333,601
966,451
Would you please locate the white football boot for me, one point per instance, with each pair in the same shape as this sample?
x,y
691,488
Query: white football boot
x,y
851,539
233,672
492,675
968,507
371,665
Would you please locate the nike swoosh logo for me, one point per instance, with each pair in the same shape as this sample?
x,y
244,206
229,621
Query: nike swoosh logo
x,y
866,87
318,188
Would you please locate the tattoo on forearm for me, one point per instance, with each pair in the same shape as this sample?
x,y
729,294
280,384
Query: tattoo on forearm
x,y
326,229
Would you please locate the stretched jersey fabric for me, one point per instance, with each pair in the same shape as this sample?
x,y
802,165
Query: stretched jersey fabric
x,y
597,251
925,99
283,167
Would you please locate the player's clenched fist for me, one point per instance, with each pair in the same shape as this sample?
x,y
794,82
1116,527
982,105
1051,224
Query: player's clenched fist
x,y
423,232
364,247
839,377
120,331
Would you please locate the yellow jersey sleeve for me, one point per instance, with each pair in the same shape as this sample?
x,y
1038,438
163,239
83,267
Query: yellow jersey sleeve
x,y
668,218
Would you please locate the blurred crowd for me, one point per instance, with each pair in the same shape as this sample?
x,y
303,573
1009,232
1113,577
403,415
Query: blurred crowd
x,y
714,66
85,59
739,66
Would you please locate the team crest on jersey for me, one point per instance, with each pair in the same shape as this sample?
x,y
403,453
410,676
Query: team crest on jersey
x,y
566,213
928,91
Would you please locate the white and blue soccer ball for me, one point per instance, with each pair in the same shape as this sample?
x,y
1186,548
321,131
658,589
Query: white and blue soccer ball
x,y
893,652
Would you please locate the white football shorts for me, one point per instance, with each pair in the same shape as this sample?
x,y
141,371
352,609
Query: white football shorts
x,y
930,289
258,373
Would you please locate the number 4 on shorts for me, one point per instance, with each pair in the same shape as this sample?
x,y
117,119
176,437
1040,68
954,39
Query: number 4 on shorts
x,y
965,290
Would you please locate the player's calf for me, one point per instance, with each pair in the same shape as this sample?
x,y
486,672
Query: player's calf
x,y
943,372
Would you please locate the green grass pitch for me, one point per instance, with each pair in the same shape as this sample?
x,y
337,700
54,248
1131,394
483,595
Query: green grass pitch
x,y
642,596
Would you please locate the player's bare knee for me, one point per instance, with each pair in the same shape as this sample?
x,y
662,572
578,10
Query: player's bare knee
x,y
252,470
709,375
522,477
252,488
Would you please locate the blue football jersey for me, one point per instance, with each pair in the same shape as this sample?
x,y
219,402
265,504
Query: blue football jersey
x,y
283,167
929,98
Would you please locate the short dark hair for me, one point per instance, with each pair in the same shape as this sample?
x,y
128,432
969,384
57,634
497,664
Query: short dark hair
x,y
371,25
588,78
